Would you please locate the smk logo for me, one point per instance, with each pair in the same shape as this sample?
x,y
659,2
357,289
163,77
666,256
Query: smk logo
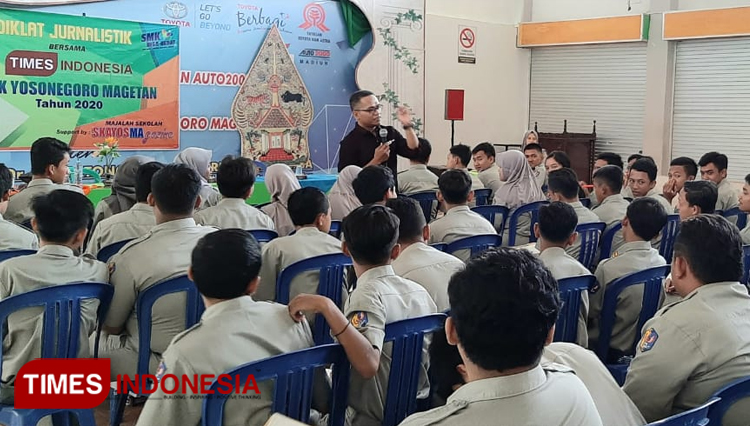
x,y
175,11
158,39
315,16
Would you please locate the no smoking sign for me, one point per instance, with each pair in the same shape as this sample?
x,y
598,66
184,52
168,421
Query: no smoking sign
x,y
467,42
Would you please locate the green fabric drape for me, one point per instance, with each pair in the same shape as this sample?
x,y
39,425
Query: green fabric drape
x,y
357,25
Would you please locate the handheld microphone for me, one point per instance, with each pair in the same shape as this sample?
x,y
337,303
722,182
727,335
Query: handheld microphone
x,y
383,133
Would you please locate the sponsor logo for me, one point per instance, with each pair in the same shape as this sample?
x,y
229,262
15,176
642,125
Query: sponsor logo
x,y
252,18
27,62
161,39
315,53
175,11
315,16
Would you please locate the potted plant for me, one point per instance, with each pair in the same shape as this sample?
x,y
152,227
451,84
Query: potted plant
x,y
108,150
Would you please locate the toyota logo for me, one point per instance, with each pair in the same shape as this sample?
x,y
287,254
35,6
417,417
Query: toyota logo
x,y
175,10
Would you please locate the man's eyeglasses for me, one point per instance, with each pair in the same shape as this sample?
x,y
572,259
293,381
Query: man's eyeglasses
x,y
371,110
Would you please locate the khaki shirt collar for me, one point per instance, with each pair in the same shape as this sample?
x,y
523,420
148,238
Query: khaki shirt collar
x,y
308,230
56,250
232,202
612,199
632,246
40,182
174,225
377,272
458,209
142,207
418,167
241,303
500,387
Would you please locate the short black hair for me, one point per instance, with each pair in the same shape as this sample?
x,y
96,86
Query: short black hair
x,y
371,233
647,217
563,181
712,246
719,160
6,179
485,147
557,222
372,183
410,216
60,214
687,163
463,152
143,177
423,151
702,193
561,158
225,262
455,186
534,146
503,305
235,177
634,157
612,158
46,151
747,179
646,165
175,189
611,176
357,96
305,204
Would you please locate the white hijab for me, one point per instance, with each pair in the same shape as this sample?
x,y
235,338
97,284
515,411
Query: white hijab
x,y
281,182
526,136
520,186
199,159
342,197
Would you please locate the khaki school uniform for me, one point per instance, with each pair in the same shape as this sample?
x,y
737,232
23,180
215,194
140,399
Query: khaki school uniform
x,y
19,205
231,333
611,211
161,254
381,298
430,268
51,265
16,237
523,230
127,225
209,196
549,395
475,182
417,178
728,196
490,178
459,222
540,175
654,193
234,213
584,216
631,257
691,349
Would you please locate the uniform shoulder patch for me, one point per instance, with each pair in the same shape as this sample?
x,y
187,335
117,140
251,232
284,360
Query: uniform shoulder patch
x,y
648,340
359,319
161,371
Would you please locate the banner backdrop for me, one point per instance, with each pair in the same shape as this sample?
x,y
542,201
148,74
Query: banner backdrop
x,y
218,41
85,79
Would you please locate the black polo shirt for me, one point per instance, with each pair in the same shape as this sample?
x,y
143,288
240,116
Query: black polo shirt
x,y
358,147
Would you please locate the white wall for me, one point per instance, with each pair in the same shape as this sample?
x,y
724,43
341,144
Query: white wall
x,y
495,11
710,4
559,10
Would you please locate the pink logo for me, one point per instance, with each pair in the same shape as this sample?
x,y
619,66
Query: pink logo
x,y
315,16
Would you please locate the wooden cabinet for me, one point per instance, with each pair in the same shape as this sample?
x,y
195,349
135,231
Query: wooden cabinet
x,y
580,147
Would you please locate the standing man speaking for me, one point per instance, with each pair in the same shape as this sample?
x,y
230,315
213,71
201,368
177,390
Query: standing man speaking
x,y
369,143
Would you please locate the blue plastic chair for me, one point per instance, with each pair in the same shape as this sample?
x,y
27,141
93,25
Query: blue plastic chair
x,y
532,208
406,361
61,328
331,268
110,250
427,202
490,213
566,327
9,254
668,237
293,374
586,202
651,279
729,395
335,229
144,307
589,235
745,263
741,216
698,416
482,196
439,246
476,243
607,238
263,235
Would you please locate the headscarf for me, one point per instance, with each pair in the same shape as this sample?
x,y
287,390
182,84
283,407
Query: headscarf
x,y
281,182
123,185
197,158
520,186
526,135
341,197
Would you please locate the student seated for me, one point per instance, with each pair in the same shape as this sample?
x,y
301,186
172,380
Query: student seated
x,y
459,157
61,219
535,157
681,170
49,170
627,192
714,168
236,180
161,254
692,348
199,159
311,214
519,189
234,330
342,197
602,160
417,177
503,311
281,182
556,230
374,185
744,204
12,236
123,190
132,223
642,182
563,186
484,162
644,219
612,205
417,261
380,298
